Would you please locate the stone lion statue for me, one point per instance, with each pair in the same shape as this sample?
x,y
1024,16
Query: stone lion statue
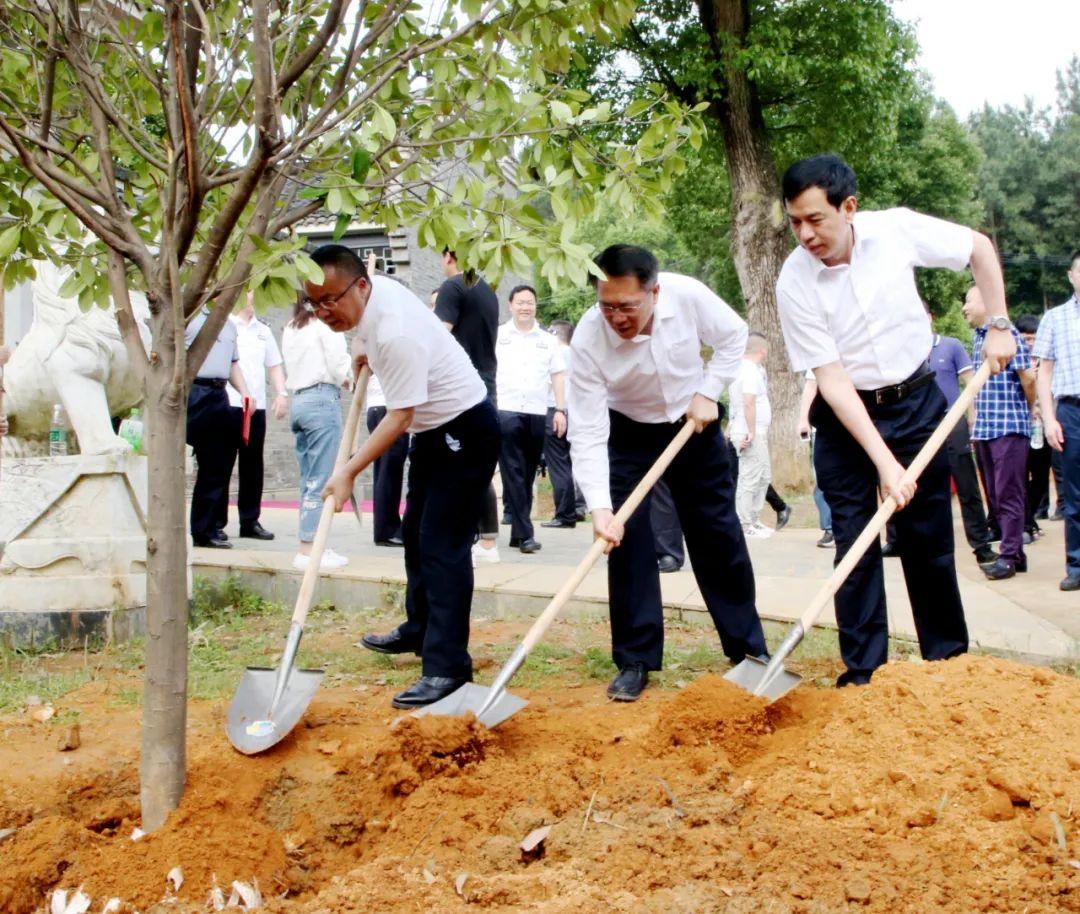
x,y
75,358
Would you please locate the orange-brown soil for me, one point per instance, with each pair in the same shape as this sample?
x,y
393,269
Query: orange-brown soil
x,y
948,787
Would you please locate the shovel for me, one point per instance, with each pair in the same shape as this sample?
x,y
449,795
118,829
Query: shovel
x,y
770,679
268,701
494,704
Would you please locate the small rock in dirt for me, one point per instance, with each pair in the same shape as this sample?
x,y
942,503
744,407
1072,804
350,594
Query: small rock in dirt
x,y
70,739
532,848
329,746
923,817
998,807
42,714
176,877
857,889
1042,828
800,890
1019,793
1073,762
6,833
429,877
459,883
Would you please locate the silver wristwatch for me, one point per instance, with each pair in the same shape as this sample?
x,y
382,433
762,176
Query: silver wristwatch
x,y
1000,323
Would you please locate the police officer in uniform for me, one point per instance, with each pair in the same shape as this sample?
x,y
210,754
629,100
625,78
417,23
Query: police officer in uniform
x,y
209,430
638,376
433,390
529,363
850,312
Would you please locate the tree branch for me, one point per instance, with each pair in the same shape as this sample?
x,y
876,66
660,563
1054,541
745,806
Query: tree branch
x,y
299,65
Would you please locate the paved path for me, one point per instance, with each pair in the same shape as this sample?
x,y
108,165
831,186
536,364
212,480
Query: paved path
x,y
1025,615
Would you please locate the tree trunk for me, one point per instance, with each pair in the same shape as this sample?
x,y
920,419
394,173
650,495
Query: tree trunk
x,y
164,716
759,235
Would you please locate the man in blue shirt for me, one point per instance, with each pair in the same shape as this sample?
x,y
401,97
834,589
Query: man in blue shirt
x,y
1002,436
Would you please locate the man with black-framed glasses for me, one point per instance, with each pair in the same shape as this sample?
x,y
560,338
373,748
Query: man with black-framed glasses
x,y
638,375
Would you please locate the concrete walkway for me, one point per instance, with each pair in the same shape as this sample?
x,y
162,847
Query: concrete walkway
x,y
1026,615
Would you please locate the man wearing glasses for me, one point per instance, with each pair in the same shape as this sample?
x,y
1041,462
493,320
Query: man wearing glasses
x,y
432,390
638,375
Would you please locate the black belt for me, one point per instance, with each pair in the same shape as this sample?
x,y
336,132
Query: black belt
x,y
887,396
210,382
1070,399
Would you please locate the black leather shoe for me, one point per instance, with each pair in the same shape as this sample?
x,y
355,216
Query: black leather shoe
x,y
506,521
999,571
668,564
1072,582
782,517
890,551
391,541
557,524
204,543
984,555
427,690
848,678
529,546
580,517
629,684
256,532
391,643
219,536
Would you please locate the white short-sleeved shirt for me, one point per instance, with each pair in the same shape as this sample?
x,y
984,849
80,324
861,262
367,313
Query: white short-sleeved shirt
x,y
650,378
751,380
564,353
418,363
526,363
867,314
258,352
375,396
314,354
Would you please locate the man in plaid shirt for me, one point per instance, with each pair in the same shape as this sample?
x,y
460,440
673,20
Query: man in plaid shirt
x,y
1002,435
1057,346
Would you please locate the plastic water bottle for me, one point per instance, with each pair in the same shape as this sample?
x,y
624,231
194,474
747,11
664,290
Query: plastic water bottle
x,y
58,433
131,430
1036,434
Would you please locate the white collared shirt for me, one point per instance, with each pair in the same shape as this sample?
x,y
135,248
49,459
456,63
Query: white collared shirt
x,y
258,352
751,380
314,354
375,396
650,378
418,363
527,361
564,354
867,314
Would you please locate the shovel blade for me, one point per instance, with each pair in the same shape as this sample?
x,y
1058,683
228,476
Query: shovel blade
x,y
470,698
750,674
253,725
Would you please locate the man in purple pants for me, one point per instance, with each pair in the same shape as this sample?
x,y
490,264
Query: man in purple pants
x,y
1002,434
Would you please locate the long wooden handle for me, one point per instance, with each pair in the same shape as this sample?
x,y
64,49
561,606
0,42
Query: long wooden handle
x,y
888,506
599,547
322,534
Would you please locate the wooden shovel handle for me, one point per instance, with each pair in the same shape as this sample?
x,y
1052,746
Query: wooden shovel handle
x,y
888,506
322,534
599,546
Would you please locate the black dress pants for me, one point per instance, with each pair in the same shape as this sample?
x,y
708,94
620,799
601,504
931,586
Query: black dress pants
x,y
522,445
667,531
849,480
560,469
449,468
209,432
249,458
388,471
700,482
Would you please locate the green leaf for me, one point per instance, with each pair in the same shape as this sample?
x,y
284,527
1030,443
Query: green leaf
x,y
341,226
361,162
9,240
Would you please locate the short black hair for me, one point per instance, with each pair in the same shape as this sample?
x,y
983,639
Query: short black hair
x,y
1075,257
342,259
564,330
522,288
1027,323
827,171
628,260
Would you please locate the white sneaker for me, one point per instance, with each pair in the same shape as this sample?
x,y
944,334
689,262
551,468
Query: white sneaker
x,y
757,531
481,555
330,561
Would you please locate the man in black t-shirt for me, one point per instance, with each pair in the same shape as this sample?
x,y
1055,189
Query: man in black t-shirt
x,y
470,310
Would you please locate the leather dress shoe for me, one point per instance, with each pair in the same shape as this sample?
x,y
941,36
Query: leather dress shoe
x,y
256,532
427,690
529,546
391,643
629,684
391,541
559,524
580,517
984,555
999,571
848,678
1071,582
782,518
219,536
668,564
210,543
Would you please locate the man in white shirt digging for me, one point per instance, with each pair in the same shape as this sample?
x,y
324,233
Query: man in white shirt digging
x,y
638,376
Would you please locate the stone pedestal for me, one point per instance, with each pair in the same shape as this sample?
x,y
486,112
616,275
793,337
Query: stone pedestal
x,y
72,548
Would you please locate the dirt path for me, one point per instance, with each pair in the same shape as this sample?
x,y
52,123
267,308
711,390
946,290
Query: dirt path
x,y
951,787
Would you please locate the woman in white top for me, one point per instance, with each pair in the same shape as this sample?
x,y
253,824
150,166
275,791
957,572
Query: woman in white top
x,y
316,364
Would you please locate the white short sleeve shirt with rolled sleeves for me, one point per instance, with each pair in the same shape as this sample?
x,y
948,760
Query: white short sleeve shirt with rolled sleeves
x,y
258,351
418,363
527,361
651,378
867,314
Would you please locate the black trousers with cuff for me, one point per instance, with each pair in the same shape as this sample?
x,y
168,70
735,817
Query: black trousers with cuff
x,y
667,531
522,445
924,530
209,432
700,482
557,457
388,472
249,464
449,469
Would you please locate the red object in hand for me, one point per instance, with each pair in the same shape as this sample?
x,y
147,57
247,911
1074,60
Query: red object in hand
x,y
245,431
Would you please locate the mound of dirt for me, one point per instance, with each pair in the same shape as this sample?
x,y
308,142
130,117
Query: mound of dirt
x,y
948,787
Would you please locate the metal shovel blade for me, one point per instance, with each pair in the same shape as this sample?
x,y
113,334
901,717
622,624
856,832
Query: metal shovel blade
x,y
750,674
253,725
471,698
